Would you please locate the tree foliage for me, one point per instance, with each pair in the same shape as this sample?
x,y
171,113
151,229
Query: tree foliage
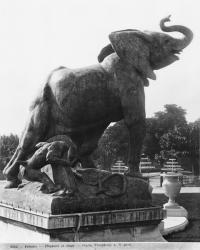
x,y
172,116
8,144
112,145
193,145
167,135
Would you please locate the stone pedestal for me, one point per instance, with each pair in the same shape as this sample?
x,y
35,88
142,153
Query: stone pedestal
x,y
42,221
173,224
178,211
18,225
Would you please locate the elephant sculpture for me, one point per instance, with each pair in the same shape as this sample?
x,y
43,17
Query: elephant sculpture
x,y
81,103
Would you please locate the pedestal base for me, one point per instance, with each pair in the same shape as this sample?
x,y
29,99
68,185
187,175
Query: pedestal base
x,y
173,224
176,211
88,198
28,215
20,226
16,233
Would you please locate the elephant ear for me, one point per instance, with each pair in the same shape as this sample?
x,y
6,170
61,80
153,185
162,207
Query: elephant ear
x,y
132,46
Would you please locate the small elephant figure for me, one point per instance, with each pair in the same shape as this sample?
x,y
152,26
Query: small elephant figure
x,y
56,153
81,103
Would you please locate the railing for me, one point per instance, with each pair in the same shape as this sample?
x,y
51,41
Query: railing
x,y
186,180
119,169
190,180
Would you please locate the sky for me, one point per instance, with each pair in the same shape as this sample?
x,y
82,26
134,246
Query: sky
x,y
37,36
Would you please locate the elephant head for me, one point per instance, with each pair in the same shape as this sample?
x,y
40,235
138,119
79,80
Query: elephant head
x,y
148,51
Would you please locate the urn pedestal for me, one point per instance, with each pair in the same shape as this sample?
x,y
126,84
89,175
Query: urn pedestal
x,y
172,186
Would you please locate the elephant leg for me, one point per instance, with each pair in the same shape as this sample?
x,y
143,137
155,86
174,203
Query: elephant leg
x,y
33,133
86,161
88,146
133,104
136,137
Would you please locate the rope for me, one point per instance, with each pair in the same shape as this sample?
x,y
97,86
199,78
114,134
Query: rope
x,y
78,225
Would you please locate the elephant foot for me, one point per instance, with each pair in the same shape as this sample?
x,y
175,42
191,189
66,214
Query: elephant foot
x,y
65,193
20,186
49,189
87,162
54,188
12,183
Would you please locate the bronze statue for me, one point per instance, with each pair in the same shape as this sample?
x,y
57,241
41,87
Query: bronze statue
x,y
81,103
60,152
77,184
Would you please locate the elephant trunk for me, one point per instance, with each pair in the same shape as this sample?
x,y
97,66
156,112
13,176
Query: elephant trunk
x,y
179,43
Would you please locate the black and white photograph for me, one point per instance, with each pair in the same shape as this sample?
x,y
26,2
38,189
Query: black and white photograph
x,y
100,124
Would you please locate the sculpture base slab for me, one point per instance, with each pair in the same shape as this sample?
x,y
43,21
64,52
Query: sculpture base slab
x,y
12,232
28,215
132,225
30,197
23,221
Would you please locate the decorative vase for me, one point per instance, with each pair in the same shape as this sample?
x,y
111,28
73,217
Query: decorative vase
x,y
172,187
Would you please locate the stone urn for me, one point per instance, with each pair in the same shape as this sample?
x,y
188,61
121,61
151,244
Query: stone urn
x,y
172,186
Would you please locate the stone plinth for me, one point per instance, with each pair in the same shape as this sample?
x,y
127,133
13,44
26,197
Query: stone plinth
x,y
178,211
115,225
41,221
29,197
140,216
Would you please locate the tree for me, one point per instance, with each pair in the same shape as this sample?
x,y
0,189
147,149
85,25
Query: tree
x,y
173,116
167,135
112,145
8,144
166,132
174,143
151,145
193,145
